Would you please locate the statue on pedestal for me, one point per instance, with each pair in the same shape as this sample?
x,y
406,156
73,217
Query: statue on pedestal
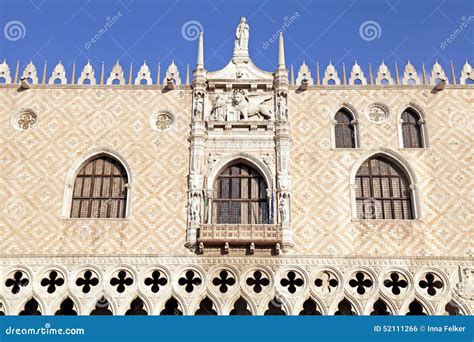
x,y
242,37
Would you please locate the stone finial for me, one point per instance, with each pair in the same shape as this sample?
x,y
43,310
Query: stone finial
x,y
292,75
87,73
304,74
397,75
281,53
102,73
383,75
116,74
466,73
200,54
318,77
453,74
357,74
158,74
59,73
425,78
330,75
172,74
130,73
73,75
30,73
371,77
344,78
17,70
143,74
5,72
43,81
187,74
437,73
410,76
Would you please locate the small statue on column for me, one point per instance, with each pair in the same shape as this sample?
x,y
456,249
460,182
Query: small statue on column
x,y
195,206
283,207
282,108
198,106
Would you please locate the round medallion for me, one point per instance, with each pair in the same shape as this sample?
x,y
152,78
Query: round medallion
x,y
24,119
377,113
161,121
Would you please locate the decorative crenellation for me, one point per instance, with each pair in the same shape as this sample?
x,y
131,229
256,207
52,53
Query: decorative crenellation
x,y
384,76
58,75
402,286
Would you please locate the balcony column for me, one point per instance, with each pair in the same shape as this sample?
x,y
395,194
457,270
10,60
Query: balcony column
x,y
197,141
282,147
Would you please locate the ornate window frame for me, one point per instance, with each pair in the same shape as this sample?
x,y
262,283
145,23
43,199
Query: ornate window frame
x,y
355,115
254,162
423,126
74,170
404,165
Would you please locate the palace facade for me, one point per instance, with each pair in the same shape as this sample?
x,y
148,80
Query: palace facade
x,y
242,191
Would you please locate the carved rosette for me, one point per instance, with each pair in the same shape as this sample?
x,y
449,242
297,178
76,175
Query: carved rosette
x,y
161,121
23,120
377,113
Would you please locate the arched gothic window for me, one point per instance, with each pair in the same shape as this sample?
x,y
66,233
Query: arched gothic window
x,y
383,190
100,189
345,131
412,129
240,196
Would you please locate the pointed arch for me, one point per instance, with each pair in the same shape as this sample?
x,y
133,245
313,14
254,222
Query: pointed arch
x,y
345,127
4,310
207,307
373,304
411,127
310,307
67,308
137,307
247,158
416,305
33,306
173,307
276,307
453,306
345,308
380,308
397,203
240,308
416,308
103,306
344,297
206,301
240,194
81,162
242,297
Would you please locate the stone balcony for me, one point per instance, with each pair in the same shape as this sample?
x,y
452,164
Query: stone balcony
x,y
258,234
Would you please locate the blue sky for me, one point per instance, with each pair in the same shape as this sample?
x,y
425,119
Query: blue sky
x,y
315,30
